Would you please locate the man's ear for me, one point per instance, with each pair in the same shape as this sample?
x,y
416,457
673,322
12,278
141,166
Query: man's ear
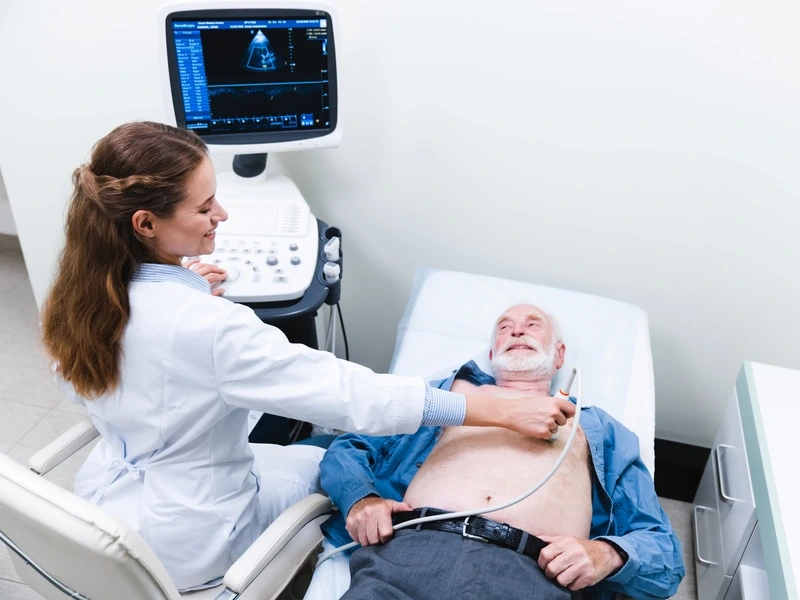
x,y
561,351
143,224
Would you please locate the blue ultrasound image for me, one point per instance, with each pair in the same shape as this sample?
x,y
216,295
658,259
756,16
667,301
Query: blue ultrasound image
x,y
259,55
265,79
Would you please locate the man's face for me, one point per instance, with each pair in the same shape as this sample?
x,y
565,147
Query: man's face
x,y
524,343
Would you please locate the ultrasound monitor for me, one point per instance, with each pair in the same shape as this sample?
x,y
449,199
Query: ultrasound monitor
x,y
253,80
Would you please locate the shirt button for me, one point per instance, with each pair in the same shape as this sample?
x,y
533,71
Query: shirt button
x,y
419,465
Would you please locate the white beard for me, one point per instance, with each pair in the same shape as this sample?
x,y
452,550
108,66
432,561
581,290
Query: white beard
x,y
530,365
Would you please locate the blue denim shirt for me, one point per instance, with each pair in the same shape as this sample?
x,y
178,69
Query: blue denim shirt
x,y
625,508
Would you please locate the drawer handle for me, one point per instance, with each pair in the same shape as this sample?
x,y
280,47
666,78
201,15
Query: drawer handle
x,y
720,476
700,559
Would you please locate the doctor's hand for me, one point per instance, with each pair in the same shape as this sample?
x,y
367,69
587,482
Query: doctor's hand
x,y
576,563
211,273
534,416
369,521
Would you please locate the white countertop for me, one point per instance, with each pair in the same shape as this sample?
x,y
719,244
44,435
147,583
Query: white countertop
x,y
769,402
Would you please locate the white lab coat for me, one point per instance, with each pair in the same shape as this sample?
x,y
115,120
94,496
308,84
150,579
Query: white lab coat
x,y
174,462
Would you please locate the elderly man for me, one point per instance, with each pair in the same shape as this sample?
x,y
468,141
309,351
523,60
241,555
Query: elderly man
x,y
595,527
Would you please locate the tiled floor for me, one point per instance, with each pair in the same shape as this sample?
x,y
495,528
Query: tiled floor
x,y
32,412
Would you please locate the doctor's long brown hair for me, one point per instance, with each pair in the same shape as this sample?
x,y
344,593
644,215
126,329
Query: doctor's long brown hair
x,y
137,166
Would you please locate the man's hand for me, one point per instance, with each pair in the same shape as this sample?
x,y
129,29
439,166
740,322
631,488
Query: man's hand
x,y
211,273
369,521
576,563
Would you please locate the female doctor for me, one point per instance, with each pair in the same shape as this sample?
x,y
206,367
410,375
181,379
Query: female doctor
x,y
170,371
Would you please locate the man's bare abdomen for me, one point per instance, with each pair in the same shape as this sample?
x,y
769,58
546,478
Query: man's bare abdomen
x,y
472,467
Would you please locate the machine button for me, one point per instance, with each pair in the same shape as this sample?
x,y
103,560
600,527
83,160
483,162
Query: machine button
x,y
221,250
295,260
280,279
218,261
248,262
256,269
272,251
246,251
278,271
256,278
234,251
234,259
259,251
292,247
272,260
233,275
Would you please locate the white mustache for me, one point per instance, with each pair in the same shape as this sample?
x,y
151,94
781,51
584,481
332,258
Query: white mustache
x,y
522,340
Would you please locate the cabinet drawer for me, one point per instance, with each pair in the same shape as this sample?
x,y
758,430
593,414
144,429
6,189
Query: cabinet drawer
x,y
737,514
712,581
749,584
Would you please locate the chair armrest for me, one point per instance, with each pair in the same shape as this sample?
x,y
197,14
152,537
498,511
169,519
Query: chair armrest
x,y
306,514
63,447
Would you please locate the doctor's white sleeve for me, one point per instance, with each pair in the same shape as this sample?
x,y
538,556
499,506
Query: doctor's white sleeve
x,y
257,368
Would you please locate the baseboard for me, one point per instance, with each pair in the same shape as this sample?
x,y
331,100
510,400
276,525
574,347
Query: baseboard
x,y
679,468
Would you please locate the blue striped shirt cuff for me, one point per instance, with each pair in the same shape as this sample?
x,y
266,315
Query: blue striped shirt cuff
x,y
443,408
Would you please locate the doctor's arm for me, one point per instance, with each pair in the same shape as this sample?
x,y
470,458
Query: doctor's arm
x,y
257,368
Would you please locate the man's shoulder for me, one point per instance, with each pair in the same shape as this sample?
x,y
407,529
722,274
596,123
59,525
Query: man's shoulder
x,y
615,436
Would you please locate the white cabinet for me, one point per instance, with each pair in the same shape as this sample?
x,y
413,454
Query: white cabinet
x,y
724,516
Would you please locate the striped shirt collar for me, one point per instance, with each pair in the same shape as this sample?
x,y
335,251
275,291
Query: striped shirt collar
x,y
153,272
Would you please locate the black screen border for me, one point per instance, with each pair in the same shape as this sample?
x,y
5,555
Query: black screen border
x,y
232,14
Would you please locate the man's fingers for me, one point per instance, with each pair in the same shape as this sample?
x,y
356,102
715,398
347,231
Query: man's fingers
x,y
558,565
401,507
549,538
217,292
385,530
548,554
568,576
190,262
373,533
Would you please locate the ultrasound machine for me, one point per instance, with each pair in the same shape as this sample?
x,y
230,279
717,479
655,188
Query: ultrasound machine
x,y
252,78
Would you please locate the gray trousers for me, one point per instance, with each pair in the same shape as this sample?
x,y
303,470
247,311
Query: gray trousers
x,y
437,565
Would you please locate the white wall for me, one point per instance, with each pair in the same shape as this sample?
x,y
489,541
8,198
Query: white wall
x,y
643,151
6,218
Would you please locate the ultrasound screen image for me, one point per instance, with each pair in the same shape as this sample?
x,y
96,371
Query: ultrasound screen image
x,y
253,75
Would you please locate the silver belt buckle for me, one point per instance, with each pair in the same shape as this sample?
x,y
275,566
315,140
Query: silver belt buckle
x,y
469,535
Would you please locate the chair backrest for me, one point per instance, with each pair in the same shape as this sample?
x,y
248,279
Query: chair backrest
x,y
75,542
449,320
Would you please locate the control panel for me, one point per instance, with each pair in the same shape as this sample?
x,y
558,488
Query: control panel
x,y
266,268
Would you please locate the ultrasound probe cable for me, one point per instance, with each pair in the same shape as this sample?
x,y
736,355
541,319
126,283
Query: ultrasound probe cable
x,y
481,511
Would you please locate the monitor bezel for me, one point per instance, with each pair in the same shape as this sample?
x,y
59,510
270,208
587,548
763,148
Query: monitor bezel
x,y
261,138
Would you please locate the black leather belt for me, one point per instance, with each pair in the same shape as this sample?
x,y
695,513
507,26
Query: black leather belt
x,y
478,528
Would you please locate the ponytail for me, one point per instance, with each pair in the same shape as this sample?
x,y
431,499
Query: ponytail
x,y
138,166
